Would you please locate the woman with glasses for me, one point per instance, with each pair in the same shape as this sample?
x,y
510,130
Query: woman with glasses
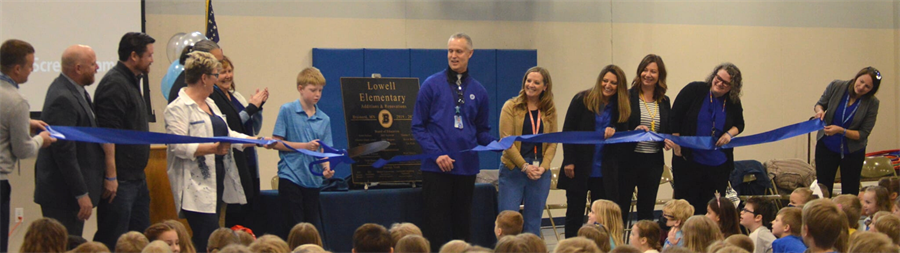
x,y
202,175
603,109
523,172
849,109
711,108
644,160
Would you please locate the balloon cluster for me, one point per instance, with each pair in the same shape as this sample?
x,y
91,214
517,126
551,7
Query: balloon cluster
x,y
176,45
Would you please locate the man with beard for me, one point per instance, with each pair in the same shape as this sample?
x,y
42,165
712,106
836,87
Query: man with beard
x,y
125,202
68,174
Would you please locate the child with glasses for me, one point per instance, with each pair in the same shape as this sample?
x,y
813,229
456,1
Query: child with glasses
x,y
676,212
756,216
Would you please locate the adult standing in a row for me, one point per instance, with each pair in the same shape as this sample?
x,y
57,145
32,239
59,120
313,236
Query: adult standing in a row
x,y
644,160
849,109
125,202
603,108
451,114
243,116
69,174
524,166
710,108
16,140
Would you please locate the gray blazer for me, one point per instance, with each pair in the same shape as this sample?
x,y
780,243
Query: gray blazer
x,y
863,121
68,169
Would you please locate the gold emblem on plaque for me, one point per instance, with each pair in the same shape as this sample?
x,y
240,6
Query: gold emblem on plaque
x,y
385,118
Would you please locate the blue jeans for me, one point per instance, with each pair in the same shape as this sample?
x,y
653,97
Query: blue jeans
x,y
516,187
129,211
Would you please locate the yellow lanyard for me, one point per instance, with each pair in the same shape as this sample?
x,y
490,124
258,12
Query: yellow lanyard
x,y
652,113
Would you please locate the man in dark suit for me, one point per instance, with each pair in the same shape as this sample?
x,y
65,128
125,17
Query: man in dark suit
x,y
68,175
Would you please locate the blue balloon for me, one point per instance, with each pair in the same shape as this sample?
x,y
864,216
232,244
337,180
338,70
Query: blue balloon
x,y
174,70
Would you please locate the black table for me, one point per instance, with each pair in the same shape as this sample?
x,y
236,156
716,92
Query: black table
x,y
343,212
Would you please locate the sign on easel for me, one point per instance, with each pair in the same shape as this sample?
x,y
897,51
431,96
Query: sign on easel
x,y
381,109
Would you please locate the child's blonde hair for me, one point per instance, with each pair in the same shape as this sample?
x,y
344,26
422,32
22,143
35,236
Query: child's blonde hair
x,y
598,234
220,238
680,209
609,214
303,233
890,226
576,245
310,75
131,242
412,244
699,232
309,248
866,241
454,246
245,237
805,192
269,244
741,241
851,207
184,239
512,244
535,243
157,246
399,230
90,247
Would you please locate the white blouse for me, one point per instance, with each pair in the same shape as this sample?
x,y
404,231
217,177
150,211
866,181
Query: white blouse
x,y
192,190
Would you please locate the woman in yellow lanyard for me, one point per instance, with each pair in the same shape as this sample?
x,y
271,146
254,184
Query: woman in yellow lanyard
x,y
644,160
524,167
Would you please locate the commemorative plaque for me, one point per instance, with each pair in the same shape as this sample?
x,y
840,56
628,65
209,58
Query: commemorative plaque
x,y
381,109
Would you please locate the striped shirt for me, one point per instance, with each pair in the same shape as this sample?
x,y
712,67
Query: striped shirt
x,y
648,147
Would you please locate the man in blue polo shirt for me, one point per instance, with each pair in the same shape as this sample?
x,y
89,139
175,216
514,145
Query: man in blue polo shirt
x,y
451,114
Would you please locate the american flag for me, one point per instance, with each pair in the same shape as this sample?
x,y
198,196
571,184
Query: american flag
x,y
212,30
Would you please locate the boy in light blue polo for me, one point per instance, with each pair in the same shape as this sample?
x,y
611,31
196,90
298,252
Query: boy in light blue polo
x,y
302,125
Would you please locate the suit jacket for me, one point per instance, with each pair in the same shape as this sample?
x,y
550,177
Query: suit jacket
x,y
68,169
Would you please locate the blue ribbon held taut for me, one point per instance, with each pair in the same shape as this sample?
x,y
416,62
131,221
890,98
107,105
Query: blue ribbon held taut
x,y
585,137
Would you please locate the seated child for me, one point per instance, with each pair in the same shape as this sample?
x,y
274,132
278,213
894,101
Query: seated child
x,y
676,212
852,210
756,216
800,196
508,223
786,227
823,223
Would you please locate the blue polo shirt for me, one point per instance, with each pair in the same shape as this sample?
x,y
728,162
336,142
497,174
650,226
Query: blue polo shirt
x,y
295,126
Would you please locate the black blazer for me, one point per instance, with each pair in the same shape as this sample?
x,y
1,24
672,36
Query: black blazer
x,y
687,106
578,118
176,87
68,169
634,120
233,118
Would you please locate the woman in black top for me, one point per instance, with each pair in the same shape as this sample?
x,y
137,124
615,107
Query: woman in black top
x,y
711,108
644,160
603,108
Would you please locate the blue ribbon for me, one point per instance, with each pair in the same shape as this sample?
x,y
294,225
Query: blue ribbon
x,y
584,137
120,136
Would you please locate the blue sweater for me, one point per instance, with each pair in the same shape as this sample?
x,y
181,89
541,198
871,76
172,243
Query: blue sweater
x,y
432,122
788,244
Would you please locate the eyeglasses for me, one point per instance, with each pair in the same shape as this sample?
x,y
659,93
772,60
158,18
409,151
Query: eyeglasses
x,y
216,75
727,83
745,210
668,216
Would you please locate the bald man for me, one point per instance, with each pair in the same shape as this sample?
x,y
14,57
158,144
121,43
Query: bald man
x,y
69,175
